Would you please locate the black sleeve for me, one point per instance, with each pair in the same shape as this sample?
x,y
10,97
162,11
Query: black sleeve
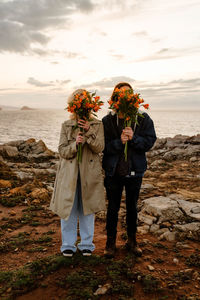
x,y
145,136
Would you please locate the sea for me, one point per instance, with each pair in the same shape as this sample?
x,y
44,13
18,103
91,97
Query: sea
x,y
46,124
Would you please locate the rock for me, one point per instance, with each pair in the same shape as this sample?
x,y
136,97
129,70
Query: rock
x,y
149,220
158,163
151,268
40,193
5,183
188,207
23,175
154,228
143,229
102,290
182,245
9,152
168,236
146,187
193,159
195,210
17,191
161,231
38,147
175,261
163,207
194,227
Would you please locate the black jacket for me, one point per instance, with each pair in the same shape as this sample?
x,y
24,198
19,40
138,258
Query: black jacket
x,y
143,139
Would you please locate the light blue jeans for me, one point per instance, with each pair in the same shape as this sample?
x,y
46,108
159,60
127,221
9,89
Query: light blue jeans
x,y
69,227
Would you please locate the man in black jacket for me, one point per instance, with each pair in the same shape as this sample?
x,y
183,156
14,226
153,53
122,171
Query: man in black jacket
x,y
120,173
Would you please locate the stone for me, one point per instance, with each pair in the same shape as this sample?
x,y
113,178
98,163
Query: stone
x,y
5,183
151,268
40,193
175,261
102,290
147,187
163,207
23,175
168,236
161,231
193,159
195,210
147,219
188,207
194,227
38,147
9,151
154,228
143,229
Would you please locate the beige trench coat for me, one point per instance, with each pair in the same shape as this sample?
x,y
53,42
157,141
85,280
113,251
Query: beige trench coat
x,y
90,170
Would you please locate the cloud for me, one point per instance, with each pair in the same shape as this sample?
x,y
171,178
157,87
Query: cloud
x,y
38,83
25,22
169,53
108,83
175,88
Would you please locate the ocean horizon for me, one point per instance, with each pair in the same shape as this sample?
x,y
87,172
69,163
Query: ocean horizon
x,y
43,124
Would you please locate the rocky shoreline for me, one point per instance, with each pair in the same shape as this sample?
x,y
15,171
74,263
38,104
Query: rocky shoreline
x,y
170,196
168,219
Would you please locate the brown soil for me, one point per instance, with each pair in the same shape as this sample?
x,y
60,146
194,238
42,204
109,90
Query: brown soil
x,y
42,239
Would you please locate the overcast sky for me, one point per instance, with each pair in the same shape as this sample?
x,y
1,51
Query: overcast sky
x,y
48,48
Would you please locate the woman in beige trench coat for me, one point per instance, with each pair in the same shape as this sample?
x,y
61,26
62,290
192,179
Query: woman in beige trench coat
x,y
78,190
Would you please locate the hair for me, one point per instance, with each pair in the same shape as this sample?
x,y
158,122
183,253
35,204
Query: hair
x,y
119,86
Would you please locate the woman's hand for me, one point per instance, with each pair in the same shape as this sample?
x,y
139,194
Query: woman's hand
x,y
79,138
84,124
124,138
128,131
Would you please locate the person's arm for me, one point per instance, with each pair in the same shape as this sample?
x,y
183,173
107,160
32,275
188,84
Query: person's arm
x,y
145,139
67,149
95,138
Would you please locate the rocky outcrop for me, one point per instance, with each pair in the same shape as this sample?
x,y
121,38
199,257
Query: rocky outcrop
x,y
166,217
169,204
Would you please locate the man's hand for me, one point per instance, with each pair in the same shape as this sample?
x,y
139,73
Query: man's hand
x,y
128,131
84,124
124,138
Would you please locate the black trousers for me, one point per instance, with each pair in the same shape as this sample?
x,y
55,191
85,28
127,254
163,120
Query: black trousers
x,y
114,186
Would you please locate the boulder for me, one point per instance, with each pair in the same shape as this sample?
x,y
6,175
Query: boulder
x,y
192,209
9,151
162,207
147,219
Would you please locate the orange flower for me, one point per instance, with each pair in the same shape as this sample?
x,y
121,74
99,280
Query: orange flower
x,y
146,106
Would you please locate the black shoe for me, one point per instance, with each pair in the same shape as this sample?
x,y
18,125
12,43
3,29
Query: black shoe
x,y
86,252
68,253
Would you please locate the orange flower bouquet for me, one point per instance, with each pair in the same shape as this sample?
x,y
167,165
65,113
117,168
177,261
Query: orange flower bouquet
x,y
83,105
127,103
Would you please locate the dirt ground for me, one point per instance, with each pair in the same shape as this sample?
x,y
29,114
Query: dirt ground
x,y
31,266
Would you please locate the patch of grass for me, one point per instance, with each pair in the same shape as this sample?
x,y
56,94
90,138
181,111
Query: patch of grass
x,y
44,239
5,276
150,283
182,277
160,246
12,201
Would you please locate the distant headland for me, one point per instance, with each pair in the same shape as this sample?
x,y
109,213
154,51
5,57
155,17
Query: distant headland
x,y
26,108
